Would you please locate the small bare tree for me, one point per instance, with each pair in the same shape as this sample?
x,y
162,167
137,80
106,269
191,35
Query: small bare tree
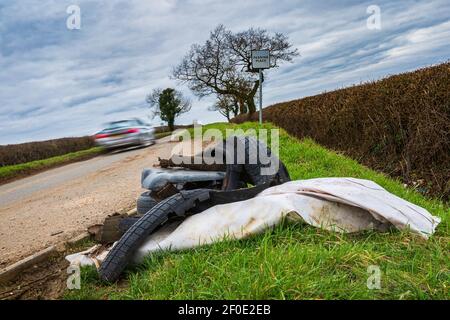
x,y
168,104
222,65
227,105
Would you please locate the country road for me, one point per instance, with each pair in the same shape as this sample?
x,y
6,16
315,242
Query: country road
x,y
60,203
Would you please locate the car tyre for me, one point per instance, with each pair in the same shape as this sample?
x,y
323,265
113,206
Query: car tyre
x,y
120,255
145,202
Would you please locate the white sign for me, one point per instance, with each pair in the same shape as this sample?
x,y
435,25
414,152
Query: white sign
x,y
260,59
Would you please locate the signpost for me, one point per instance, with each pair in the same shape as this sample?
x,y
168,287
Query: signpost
x,y
260,61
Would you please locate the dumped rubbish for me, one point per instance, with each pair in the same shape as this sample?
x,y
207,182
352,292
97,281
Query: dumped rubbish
x,y
191,200
187,218
112,228
165,183
344,205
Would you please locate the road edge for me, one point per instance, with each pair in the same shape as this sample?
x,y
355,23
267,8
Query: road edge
x,y
10,272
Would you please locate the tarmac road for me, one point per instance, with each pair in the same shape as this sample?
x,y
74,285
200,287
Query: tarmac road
x,y
58,204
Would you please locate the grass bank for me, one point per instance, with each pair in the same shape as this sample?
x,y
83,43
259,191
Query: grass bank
x,y
8,173
12,154
399,125
296,261
161,135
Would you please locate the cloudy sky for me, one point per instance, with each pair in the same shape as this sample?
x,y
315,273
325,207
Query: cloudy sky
x,y
58,82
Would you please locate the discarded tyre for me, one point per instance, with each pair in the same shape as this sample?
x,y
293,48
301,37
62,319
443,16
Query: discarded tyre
x,y
250,167
144,203
255,164
119,256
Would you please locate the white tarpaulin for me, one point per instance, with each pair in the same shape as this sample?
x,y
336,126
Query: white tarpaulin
x,y
335,204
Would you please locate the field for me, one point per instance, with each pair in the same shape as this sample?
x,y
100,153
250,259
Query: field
x,y
21,160
399,125
297,261
8,173
39,150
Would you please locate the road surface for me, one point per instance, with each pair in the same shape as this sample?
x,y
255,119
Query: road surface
x,y
58,204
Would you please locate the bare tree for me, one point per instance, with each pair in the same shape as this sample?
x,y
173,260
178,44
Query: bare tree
x,y
222,65
168,104
227,105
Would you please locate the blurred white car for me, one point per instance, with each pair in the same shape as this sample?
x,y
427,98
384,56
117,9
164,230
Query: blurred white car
x,y
125,133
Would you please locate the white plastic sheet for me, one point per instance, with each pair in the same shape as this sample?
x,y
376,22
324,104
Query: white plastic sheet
x,y
336,204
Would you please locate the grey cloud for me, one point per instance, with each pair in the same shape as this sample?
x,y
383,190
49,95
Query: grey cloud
x,y
56,82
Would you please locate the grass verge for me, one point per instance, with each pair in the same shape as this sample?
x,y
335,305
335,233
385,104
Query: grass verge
x,y
161,135
296,261
9,173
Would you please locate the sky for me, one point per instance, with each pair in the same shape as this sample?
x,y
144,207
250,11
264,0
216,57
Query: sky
x,y
57,81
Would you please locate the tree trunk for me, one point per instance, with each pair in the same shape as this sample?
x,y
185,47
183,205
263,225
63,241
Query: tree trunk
x,y
242,108
251,105
171,124
251,98
235,109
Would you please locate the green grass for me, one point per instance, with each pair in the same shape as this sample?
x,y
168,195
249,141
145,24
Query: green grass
x,y
8,173
296,261
162,134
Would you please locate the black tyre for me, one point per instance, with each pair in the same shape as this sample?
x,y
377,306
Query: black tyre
x,y
176,205
255,171
145,202
251,172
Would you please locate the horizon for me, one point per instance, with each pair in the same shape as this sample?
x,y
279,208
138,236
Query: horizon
x,y
58,82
